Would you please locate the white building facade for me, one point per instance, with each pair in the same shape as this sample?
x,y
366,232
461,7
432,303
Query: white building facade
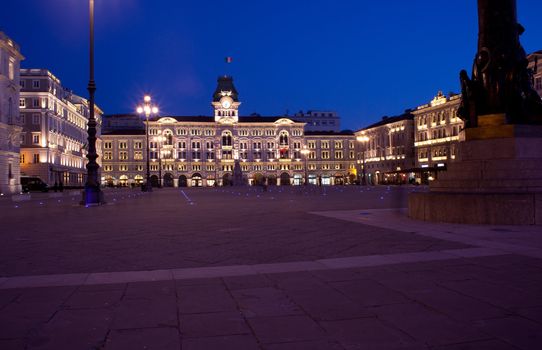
x,y
386,150
437,134
54,135
203,151
319,120
332,158
10,123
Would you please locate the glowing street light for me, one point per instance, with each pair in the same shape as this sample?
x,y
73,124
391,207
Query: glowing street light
x,y
147,109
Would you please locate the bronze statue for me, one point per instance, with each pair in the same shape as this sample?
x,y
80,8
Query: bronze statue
x,y
501,81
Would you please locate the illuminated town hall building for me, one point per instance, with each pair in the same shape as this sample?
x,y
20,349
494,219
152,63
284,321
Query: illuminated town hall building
x,y
204,150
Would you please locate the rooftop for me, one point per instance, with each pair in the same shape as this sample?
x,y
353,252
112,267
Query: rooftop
x,y
388,120
124,132
329,133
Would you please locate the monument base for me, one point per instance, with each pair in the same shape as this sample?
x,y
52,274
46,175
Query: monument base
x,y
92,197
496,180
477,208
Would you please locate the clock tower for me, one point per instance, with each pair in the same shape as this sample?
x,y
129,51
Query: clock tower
x,y
226,101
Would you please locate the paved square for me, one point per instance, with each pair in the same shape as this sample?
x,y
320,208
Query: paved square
x,y
239,268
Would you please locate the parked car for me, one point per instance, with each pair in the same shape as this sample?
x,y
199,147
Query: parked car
x,y
31,183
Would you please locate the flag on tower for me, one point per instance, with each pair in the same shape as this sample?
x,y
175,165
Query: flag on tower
x,y
229,59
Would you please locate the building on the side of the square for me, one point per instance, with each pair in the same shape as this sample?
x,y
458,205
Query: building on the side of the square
x,y
113,122
332,157
54,139
203,150
10,122
124,157
535,64
437,128
316,121
386,150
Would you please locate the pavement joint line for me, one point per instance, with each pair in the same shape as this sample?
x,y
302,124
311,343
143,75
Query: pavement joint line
x,y
395,219
99,278
186,196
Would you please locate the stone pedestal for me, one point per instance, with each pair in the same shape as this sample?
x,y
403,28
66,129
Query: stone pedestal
x,y
497,178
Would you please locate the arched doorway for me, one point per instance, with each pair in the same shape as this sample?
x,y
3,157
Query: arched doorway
x,y
298,179
109,181
339,179
272,180
285,179
183,181
211,182
138,180
168,180
226,180
313,179
154,181
197,180
258,179
123,180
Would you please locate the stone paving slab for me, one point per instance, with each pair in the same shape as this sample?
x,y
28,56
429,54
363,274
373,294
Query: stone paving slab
x,y
102,278
365,307
523,240
213,324
168,234
231,342
164,338
370,333
322,283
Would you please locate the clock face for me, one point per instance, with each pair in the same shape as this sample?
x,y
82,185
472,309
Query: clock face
x,y
226,102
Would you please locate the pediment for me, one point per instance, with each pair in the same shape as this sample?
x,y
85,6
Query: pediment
x,y
227,120
166,120
284,121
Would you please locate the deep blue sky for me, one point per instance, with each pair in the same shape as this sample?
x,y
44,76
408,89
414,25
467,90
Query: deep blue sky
x,y
364,59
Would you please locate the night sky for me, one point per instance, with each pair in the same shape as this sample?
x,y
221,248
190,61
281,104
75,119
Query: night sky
x,y
364,59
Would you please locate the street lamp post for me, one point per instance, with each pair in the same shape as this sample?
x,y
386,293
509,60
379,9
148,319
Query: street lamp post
x,y
363,139
305,152
147,109
358,161
92,194
159,140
